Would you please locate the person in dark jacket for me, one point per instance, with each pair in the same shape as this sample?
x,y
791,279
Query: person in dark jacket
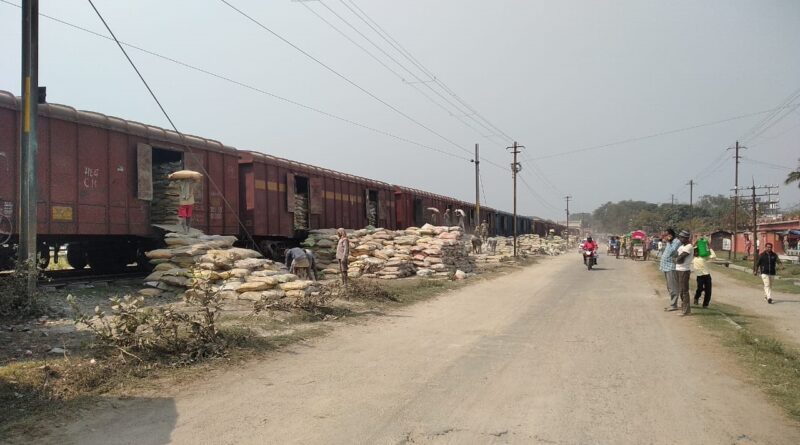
x,y
767,266
298,260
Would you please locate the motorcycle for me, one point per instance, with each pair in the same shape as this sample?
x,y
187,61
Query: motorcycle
x,y
589,258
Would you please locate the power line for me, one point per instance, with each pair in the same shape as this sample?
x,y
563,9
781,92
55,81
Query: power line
x,y
538,196
382,63
654,135
251,87
785,104
768,164
541,175
399,48
342,76
181,135
425,83
483,191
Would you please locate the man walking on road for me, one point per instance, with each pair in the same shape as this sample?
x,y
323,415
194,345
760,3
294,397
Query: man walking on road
x,y
667,265
703,276
767,266
683,270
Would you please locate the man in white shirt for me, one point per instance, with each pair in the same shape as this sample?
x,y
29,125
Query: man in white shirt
x,y
700,270
683,270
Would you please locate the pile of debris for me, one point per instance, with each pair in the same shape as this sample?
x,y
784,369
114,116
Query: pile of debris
x,y
389,254
211,262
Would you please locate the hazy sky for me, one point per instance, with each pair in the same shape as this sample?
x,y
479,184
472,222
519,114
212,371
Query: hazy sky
x,y
557,76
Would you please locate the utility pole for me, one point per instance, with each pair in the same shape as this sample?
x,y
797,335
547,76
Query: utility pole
x,y
477,162
691,204
754,208
29,143
515,168
567,198
736,157
755,226
672,200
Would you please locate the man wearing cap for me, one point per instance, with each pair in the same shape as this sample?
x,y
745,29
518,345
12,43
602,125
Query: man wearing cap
x,y
667,266
683,270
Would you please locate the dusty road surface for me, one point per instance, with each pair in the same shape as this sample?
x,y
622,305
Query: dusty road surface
x,y
553,354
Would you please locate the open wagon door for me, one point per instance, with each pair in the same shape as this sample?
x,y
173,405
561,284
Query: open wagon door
x,y
144,171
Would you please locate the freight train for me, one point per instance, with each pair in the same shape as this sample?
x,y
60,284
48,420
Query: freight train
x,y
102,186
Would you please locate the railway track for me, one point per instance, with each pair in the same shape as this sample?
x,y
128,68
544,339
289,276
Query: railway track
x,y
62,278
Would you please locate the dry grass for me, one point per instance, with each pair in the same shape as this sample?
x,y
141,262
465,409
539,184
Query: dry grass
x,y
773,365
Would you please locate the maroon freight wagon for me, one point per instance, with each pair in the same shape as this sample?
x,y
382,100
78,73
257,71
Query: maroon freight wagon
x,y
412,208
102,183
281,200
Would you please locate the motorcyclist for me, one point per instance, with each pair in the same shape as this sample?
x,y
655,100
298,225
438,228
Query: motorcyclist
x,y
589,246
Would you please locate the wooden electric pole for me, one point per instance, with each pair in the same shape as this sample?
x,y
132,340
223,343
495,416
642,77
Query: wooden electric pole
x,y
515,168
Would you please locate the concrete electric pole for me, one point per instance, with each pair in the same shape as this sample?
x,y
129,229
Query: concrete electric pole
x,y
515,168
567,198
29,143
477,162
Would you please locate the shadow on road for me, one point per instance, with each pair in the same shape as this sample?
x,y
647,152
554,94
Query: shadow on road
x,y
139,420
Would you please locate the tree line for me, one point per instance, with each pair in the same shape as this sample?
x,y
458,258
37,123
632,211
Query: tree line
x,y
709,214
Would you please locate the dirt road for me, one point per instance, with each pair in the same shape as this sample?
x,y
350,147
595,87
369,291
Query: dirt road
x,y
553,354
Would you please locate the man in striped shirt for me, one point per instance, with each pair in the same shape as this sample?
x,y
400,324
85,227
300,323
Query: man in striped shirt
x,y
667,266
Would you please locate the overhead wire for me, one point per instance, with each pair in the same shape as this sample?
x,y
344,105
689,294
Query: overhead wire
x,y
750,134
775,136
382,63
536,195
197,159
767,164
342,76
483,190
251,87
654,135
403,51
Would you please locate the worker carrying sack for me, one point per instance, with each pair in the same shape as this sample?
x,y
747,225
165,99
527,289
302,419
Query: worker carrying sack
x,y
702,248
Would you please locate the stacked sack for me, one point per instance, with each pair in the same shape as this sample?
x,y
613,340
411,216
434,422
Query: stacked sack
x,y
391,254
300,211
527,245
166,194
211,261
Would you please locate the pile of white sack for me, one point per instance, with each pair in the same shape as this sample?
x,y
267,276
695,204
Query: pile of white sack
x,y
527,245
211,262
389,254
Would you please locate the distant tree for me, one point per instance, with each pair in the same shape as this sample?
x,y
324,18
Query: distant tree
x,y
585,218
793,177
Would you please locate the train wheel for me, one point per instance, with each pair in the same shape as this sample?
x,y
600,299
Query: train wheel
x,y
76,256
5,229
142,262
43,257
107,260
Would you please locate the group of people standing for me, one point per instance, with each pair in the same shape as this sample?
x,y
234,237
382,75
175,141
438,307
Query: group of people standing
x,y
676,264
680,258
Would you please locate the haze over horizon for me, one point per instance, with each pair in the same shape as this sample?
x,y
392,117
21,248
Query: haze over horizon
x,y
581,84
